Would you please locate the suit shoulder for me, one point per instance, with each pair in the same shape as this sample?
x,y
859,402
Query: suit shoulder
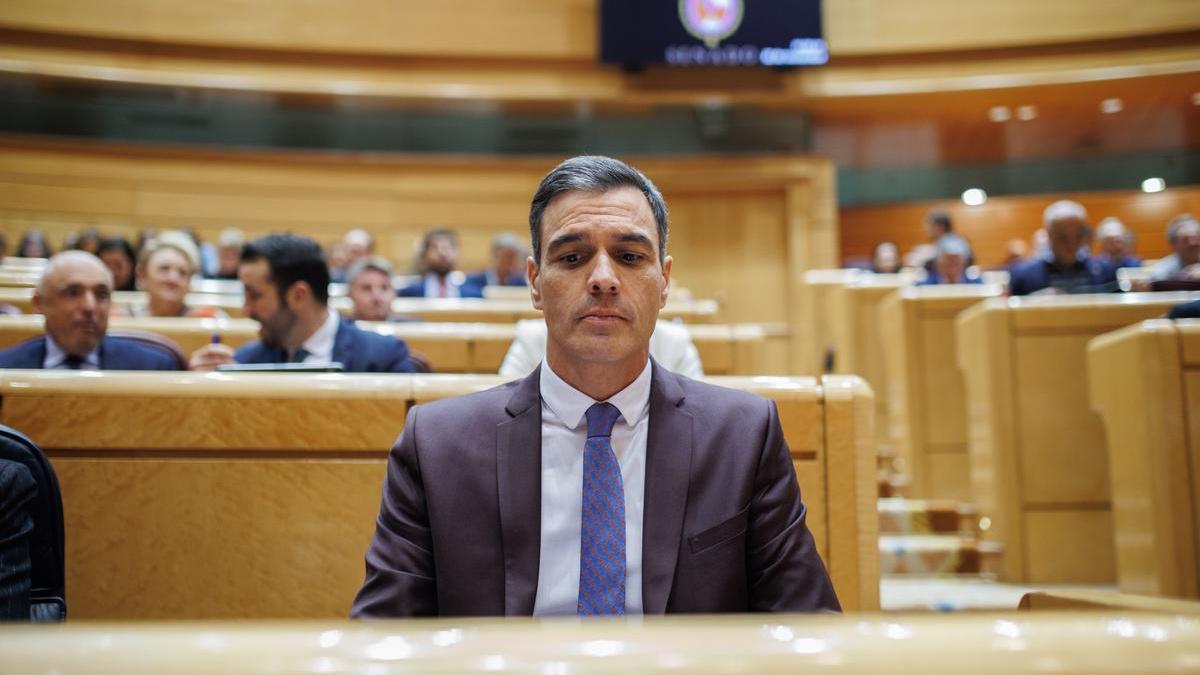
x,y
127,354
24,355
467,408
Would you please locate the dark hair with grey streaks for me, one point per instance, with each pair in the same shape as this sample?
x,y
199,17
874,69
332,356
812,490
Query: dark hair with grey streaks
x,y
594,173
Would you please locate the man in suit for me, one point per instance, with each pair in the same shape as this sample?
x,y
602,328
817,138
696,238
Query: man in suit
x,y
1066,267
286,284
507,267
440,278
602,483
74,295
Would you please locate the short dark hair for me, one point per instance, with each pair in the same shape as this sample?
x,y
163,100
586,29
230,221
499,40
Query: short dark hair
x,y
434,234
594,173
291,258
941,219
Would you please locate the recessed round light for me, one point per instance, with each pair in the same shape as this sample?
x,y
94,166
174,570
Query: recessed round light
x,y
999,113
974,197
1154,185
1027,112
1111,106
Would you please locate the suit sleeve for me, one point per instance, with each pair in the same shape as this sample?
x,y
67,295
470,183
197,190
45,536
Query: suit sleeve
x,y
400,360
17,489
785,573
400,575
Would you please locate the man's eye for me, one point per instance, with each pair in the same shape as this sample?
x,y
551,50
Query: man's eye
x,y
570,258
631,258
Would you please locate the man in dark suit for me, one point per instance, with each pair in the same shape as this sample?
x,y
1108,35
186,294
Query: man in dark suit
x,y
439,275
1066,267
601,483
286,282
507,267
74,295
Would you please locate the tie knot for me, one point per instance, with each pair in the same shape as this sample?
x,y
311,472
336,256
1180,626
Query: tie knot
x,y
600,418
73,362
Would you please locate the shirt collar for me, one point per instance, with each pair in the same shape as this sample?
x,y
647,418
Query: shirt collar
x,y
55,356
570,405
319,345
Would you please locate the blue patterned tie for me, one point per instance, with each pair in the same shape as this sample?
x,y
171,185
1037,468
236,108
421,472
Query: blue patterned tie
x,y
602,536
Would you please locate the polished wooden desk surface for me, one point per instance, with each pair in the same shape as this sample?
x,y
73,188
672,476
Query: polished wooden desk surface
x,y
1114,641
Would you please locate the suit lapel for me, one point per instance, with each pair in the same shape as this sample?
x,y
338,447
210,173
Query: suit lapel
x,y
519,484
343,347
668,465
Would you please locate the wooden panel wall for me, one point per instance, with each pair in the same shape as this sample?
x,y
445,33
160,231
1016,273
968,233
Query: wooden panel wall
x,y
743,229
566,29
991,226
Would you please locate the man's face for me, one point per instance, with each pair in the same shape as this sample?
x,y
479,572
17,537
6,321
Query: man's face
x,y
440,256
372,294
1187,243
263,304
599,284
1113,245
118,263
1066,236
507,263
227,259
75,299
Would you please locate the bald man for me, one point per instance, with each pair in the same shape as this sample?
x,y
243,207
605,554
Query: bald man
x,y
74,295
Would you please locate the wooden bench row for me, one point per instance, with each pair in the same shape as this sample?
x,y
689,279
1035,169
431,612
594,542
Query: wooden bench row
x,y
499,310
203,496
449,347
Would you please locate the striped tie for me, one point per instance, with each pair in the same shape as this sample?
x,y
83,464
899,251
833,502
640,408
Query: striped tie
x,y
602,535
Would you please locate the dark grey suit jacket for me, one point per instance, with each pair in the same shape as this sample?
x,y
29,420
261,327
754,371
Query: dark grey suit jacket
x,y
724,529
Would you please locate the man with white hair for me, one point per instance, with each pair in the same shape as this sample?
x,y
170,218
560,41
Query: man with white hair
x,y
1183,233
1066,267
1115,243
74,295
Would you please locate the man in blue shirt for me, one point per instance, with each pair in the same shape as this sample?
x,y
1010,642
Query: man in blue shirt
x,y
1066,267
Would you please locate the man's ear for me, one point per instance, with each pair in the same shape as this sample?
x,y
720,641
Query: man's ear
x,y
533,276
37,302
297,295
666,289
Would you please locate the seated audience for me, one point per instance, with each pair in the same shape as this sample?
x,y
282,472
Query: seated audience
x,y
438,260
1016,251
354,246
286,282
118,255
507,267
950,263
17,491
1115,243
33,245
670,344
1066,268
88,241
1183,233
371,289
74,294
1185,310
164,271
885,259
229,251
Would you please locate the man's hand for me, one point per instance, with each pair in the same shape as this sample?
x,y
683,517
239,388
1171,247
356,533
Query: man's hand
x,y
209,357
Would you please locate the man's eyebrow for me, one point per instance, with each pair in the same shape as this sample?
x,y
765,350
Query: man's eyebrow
x,y
564,239
636,238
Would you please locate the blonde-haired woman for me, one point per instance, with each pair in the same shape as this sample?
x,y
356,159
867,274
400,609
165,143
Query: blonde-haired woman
x,y
164,271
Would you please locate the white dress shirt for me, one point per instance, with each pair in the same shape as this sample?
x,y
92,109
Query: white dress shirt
x,y
433,285
319,345
564,433
56,358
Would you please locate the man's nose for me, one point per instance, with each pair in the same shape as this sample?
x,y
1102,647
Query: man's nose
x,y
89,301
603,278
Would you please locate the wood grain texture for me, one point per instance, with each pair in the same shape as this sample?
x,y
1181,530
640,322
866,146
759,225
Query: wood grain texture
x,y
926,412
1037,451
1138,386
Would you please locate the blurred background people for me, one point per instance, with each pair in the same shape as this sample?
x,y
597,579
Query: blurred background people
x,y
438,263
164,271
1067,267
33,244
885,259
1183,234
229,251
950,263
507,265
370,289
1115,243
118,255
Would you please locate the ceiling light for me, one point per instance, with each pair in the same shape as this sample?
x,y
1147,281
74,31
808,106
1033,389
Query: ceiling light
x,y
1110,106
1154,185
1027,112
1196,98
999,113
974,197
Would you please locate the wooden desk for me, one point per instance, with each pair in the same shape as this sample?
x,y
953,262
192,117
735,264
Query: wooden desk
x,y
203,496
1145,384
1039,460
821,312
926,413
859,336
1114,641
449,347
